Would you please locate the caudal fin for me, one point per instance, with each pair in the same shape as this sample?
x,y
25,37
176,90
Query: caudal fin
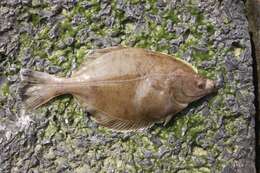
x,y
38,88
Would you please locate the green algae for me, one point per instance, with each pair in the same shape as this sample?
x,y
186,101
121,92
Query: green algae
x,y
35,19
25,40
5,89
50,130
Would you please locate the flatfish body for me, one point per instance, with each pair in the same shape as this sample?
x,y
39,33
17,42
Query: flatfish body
x,y
124,88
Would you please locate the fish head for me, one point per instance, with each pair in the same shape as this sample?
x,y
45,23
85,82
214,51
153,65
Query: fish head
x,y
192,87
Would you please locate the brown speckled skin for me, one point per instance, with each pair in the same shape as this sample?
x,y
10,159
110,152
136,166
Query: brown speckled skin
x,y
135,84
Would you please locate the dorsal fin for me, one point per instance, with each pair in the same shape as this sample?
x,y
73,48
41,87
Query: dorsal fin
x,y
184,62
119,124
99,52
188,64
92,55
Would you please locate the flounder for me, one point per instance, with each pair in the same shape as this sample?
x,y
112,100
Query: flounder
x,y
123,88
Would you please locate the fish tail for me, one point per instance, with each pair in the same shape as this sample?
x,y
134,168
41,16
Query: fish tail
x,y
38,88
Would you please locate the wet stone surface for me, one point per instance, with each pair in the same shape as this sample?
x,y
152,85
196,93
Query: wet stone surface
x,y
215,134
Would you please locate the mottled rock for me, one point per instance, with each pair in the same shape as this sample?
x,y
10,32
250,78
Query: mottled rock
x,y
53,69
69,41
54,32
54,36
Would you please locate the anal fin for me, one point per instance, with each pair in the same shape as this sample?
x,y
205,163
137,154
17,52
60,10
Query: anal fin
x,y
119,124
112,122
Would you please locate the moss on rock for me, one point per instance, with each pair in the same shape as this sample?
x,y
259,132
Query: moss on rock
x,y
203,138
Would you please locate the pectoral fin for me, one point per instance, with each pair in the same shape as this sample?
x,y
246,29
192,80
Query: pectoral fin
x,y
167,119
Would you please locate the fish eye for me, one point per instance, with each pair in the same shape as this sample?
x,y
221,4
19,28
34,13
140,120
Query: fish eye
x,y
200,85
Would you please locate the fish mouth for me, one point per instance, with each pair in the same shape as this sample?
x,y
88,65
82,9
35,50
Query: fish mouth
x,y
211,87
